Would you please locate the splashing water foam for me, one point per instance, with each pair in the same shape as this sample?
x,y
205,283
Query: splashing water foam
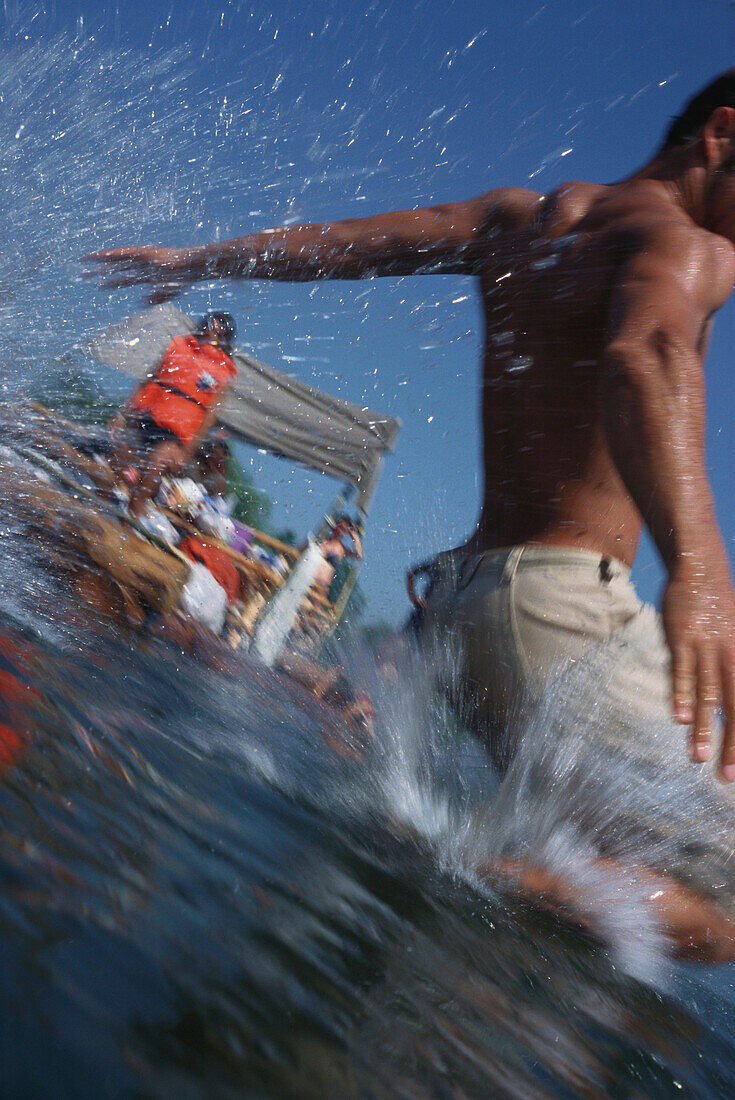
x,y
577,791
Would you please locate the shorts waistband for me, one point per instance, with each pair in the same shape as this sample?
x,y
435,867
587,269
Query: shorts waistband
x,y
566,555
510,560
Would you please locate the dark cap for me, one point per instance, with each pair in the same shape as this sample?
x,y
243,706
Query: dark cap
x,y
224,322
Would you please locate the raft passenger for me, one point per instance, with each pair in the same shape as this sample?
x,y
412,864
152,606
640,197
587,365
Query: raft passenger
x,y
334,551
212,460
159,428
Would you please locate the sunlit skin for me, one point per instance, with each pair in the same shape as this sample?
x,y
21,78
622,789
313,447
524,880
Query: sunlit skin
x,y
598,300
697,929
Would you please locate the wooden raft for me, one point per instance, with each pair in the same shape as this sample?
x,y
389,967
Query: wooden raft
x,y
76,538
145,577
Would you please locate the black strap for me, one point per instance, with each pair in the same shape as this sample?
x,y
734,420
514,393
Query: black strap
x,y
179,393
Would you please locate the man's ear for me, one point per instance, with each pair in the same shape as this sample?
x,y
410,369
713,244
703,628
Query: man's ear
x,y
718,136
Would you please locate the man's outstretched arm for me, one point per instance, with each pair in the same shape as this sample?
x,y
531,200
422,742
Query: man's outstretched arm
x,y
654,410
451,238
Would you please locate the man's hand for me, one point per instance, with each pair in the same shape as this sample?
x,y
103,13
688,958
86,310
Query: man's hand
x,y
167,270
699,620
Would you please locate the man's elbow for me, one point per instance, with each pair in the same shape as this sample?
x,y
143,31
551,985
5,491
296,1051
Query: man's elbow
x,y
622,356
660,363
634,367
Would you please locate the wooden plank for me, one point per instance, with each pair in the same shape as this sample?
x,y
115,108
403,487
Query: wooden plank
x,y
274,543
85,536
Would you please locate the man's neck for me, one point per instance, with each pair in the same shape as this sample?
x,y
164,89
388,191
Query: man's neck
x,y
683,177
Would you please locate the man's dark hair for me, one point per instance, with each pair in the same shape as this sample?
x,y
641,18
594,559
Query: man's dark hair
x,y
685,127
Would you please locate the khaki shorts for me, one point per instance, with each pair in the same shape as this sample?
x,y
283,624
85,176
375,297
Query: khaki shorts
x,y
548,653
517,617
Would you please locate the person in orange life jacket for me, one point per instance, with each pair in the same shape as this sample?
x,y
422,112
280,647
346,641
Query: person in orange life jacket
x,y
159,428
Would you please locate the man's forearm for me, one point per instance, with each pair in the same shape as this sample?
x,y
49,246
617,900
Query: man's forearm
x,y
451,238
400,243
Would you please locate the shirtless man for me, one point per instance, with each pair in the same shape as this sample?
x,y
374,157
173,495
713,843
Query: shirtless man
x,y
598,301
334,551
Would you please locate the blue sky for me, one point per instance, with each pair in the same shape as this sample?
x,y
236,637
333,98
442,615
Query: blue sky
x,y
181,122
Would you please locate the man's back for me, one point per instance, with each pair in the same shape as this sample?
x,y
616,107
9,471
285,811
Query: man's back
x,y
547,286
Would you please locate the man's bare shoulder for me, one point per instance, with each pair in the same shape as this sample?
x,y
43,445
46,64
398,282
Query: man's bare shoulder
x,y
515,207
639,225
569,204
702,263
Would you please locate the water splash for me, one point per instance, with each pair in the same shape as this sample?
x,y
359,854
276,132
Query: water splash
x,y
586,784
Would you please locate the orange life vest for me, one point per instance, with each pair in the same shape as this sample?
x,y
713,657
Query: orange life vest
x,y
186,384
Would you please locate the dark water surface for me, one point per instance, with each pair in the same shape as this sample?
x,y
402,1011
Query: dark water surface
x,y
201,899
